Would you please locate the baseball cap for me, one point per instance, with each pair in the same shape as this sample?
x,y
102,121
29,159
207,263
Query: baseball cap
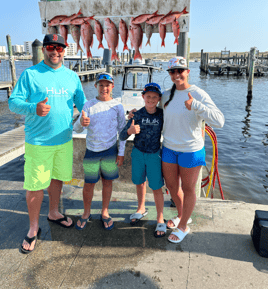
x,y
104,76
177,62
152,87
53,39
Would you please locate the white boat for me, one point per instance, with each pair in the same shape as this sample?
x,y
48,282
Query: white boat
x,y
134,79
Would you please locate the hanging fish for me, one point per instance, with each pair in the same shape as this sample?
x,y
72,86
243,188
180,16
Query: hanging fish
x,y
111,36
99,33
52,30
171,16
56,20
162,32
176,31
148,32
136,38
75,32
143,17
155,19
67,20
87,37
81,20
64,33
123,32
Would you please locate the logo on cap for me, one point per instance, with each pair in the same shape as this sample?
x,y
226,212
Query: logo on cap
x,y
55,37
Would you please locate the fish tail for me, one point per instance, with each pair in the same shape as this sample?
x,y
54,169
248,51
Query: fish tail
x,y
66,44
114,56
148,42
100,46
184,11
163,43
79,48
125,47
89,55
176,41
137,55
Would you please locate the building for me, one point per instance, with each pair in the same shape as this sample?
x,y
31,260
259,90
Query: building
x,y
28,47
3,49
17,48
71,50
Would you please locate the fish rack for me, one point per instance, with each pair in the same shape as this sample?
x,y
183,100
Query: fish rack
x,y
235,65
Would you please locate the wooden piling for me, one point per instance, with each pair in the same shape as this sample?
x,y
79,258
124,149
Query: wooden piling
x,y
251,70
183,43
11,61
38,55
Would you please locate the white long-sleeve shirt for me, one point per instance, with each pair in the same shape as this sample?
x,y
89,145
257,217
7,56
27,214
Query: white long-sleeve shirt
x,y
182,127
107,120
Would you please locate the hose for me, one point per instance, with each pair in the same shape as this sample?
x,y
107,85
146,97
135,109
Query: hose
x,y
214,172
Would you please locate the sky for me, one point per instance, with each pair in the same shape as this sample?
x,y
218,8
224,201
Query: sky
x,y
237,25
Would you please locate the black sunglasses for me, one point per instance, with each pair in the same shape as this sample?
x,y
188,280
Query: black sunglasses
x,y
180,70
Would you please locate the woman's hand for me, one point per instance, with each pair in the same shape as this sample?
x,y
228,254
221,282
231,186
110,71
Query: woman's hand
x,y
188,103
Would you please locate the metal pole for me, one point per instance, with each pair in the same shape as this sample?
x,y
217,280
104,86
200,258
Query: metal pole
x,y
251,70
183,43
11,61
38,55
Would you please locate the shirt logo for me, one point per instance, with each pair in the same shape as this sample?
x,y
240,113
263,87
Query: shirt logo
x,y
59,92
147,121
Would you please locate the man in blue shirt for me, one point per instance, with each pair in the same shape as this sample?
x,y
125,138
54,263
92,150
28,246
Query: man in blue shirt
x,y
45,93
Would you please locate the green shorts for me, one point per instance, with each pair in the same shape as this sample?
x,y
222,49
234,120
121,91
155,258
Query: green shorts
x,y
43,163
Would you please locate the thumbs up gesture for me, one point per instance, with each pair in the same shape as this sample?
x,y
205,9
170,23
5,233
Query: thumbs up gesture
x,y
188,103
42,109
133,129
84,120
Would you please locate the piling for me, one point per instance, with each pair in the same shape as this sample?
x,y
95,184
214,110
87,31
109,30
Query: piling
x,y
251,70
38,55
11,61
183,43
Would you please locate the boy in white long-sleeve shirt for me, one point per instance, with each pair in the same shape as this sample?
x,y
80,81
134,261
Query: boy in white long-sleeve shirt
x,y
104,118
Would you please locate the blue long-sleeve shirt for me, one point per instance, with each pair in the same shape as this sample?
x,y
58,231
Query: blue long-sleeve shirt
x,y
63,88
148,140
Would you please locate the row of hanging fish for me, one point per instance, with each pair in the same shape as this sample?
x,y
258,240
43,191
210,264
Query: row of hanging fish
x,y
80,27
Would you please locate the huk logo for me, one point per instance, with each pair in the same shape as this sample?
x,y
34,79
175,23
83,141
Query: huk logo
x,y
53,91
148,121
55,37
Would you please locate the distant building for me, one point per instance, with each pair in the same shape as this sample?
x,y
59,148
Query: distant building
x,y
28,47
17,48
71,50
3,49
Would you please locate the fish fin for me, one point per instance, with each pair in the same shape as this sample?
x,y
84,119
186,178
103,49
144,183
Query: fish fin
x,y
148,42
79,12
155,13
184,11
125,47
176,41
100,46
137,55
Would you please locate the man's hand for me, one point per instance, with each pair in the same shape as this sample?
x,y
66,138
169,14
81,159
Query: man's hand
x,y
42,109
119,160
131,113
84,120
133,129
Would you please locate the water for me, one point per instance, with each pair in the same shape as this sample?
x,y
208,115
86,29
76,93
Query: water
x,y
242,142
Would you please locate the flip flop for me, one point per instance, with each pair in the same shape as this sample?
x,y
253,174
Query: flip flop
x,y
176,221
106,221
180,234
138,217
29,241
160,227
58,222
82,221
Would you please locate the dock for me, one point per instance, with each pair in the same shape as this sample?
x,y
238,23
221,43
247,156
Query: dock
x,y
89,74
236,65
6,85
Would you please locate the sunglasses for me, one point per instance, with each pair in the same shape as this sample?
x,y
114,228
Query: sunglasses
x,y
178,71
104,77
51,48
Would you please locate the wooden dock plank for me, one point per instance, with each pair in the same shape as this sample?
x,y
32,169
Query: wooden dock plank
x,y
12,144
90,72
5,84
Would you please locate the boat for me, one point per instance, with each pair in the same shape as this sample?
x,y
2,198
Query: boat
x,y
135,76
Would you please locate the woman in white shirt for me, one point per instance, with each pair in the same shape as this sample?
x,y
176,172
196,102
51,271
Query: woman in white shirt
x,y
183,152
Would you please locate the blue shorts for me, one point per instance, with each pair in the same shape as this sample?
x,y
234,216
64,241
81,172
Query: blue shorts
x,y
185,160
147,165
101,163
